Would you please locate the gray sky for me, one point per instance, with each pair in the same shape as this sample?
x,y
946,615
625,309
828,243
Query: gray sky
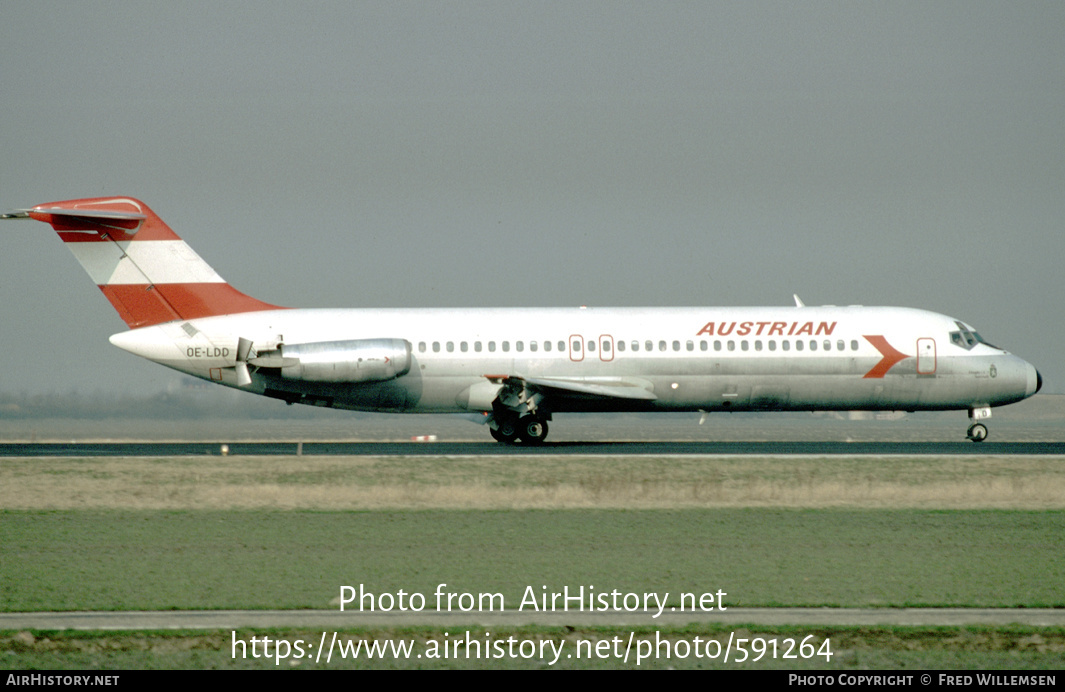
x,y
356,154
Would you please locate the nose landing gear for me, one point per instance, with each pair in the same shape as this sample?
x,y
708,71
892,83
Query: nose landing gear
x,y
978,431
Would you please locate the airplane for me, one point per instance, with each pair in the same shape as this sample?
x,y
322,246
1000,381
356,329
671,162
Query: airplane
x,y
517,367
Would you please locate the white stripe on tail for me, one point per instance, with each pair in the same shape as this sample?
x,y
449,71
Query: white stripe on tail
x,y
147,272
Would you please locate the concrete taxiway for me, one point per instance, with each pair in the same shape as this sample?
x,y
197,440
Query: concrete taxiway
x,y
150,449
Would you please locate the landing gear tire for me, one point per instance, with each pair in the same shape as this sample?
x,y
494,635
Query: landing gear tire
x,y
977,432
532,430
506,432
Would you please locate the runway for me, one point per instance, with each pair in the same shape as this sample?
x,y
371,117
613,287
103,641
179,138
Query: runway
x,y
201,482
336,620
428,449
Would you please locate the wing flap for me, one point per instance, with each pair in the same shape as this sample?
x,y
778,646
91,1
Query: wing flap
x,y
607,387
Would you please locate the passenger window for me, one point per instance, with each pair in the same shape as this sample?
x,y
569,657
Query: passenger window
x,y
477,346
520,346
744,345
648,346
464,347
547,345
702,345
690,345
436,347
591,346
621,345
854,345
635,345
827,345
576,346
798,345
676,345
772,345
451,347
506,346
786,345
758,345
661,345
840,346
606,347
421,346
561,345
717,345
492,346
732,345
532,346
813,345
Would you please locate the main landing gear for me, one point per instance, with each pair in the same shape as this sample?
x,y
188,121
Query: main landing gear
x,y
530,429
516,413
978,431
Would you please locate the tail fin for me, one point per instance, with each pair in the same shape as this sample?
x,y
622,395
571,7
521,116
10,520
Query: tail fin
x,y
147,272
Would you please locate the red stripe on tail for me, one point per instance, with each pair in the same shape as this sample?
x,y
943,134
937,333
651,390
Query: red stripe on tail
x,y
147,282
145,305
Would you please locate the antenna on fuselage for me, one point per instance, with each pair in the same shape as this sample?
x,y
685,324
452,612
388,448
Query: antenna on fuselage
x,y
798,300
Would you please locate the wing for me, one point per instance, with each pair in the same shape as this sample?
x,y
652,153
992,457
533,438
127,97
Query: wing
x,y
592,387
523,395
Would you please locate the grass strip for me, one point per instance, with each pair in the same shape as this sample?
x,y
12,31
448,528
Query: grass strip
x,y
897,648
134,560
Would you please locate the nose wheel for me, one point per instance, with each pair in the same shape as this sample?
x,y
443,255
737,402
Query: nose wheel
x,y
977,432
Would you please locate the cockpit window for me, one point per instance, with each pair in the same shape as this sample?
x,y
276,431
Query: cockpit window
x,y
964,339
967,338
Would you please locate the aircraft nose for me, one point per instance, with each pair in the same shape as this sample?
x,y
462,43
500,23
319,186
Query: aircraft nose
x,y
1035,381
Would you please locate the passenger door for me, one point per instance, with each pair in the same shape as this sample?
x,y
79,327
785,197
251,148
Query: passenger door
x,y
926,356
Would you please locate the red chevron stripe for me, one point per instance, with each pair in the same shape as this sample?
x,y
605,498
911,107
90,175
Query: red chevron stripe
x,y
891,356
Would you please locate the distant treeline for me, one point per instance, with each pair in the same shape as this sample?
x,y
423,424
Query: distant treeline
x,y
176,405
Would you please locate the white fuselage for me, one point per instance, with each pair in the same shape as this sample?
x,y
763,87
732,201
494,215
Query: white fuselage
x,y
678,359
519,366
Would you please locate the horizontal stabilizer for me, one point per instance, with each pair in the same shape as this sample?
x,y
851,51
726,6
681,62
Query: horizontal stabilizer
x,y
85,213
84,220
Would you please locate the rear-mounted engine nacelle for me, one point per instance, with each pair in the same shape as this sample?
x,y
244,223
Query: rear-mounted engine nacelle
x,y
361,360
